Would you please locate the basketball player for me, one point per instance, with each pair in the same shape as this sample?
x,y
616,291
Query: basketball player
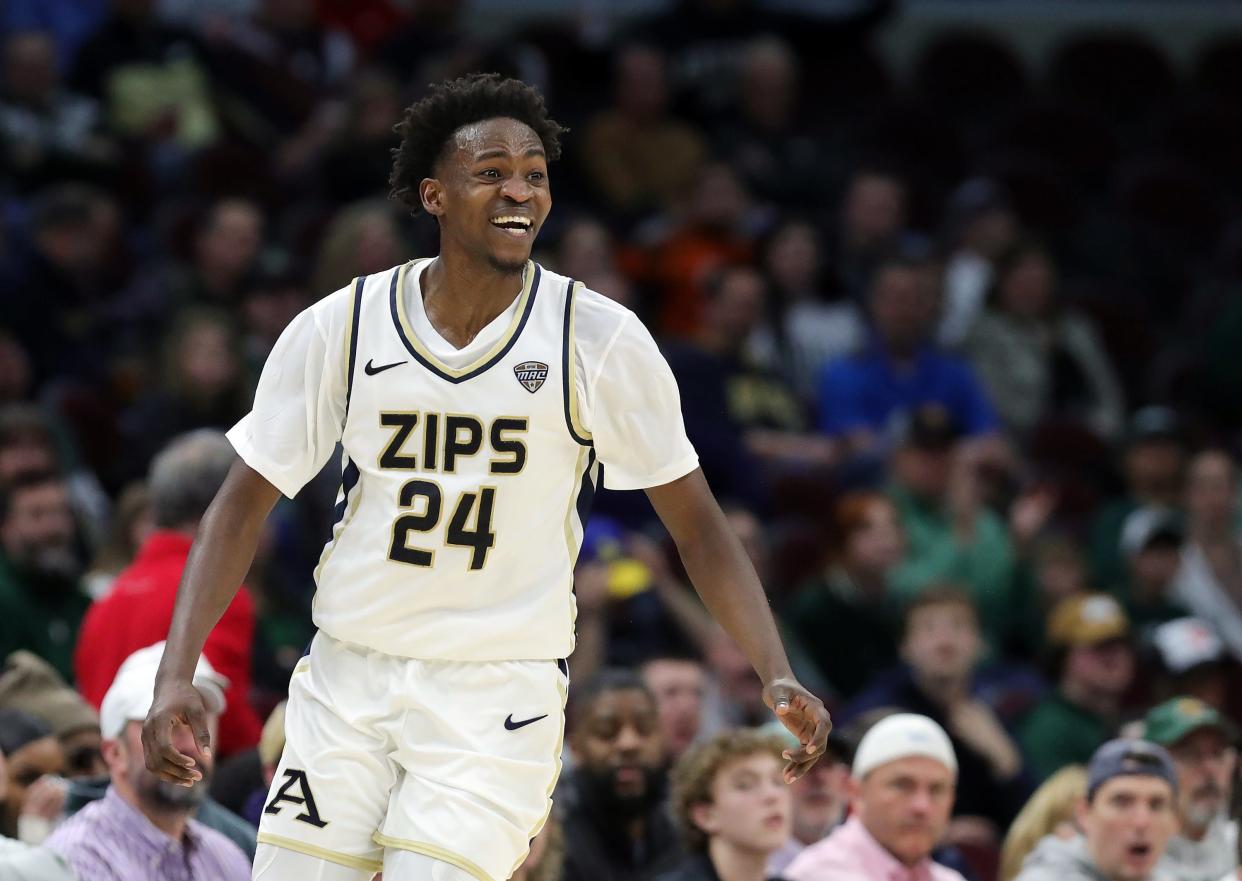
x,y
480,401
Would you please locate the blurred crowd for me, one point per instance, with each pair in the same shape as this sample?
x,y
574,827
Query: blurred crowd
x,y
958,349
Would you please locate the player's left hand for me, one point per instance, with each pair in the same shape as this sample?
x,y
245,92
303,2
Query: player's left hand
x,y
805,717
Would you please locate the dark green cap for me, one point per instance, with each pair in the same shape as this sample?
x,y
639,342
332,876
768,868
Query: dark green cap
x,y
1172,720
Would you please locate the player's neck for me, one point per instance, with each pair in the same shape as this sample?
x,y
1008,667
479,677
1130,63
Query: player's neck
x,y
461,297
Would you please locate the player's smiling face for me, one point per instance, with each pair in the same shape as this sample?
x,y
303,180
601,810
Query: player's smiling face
x,y
495,191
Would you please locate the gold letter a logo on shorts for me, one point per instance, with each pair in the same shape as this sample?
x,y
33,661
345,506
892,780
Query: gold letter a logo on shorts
x,y
310,814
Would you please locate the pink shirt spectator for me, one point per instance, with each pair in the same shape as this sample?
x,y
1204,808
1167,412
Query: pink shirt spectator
x,y
851,854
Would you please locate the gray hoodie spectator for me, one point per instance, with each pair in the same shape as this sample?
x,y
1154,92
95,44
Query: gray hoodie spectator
x,y
1127,818
1060,859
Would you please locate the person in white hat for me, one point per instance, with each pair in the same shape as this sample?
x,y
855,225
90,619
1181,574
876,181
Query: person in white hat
x,y
902,787
143,827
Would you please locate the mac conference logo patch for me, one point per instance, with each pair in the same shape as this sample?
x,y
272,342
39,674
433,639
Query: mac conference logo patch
x,y
531,375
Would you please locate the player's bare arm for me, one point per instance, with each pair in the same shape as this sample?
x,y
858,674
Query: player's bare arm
x,y
725,579
219,560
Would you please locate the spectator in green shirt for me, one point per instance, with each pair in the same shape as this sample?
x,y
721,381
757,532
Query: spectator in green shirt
x,y
1094,664
952,537
41,603
846,617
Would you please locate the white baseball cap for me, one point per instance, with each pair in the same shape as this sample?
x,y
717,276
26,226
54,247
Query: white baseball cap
x,y
132,691
898,737
1186,643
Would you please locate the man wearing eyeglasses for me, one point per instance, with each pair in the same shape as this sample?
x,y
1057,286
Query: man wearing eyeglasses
x,y
1201,742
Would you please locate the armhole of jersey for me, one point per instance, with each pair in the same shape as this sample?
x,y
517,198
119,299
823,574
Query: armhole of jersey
x,y
347,499
568,368
351,339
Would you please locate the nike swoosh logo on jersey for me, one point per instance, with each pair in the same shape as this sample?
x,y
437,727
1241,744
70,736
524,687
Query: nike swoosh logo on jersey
x,y
510,725
371,369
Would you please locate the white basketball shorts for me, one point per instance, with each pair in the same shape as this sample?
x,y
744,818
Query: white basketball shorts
x,y
453,759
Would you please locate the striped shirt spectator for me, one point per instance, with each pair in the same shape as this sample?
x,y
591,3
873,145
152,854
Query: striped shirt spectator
x,y
111,840
143,829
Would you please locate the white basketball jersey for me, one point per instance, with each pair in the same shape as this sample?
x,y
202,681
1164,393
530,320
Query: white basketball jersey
x,y
464,489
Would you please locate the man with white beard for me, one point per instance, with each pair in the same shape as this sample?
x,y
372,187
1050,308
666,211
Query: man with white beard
x,y
1201,742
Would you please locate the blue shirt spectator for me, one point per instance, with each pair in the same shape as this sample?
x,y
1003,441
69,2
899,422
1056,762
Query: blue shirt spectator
x,y
865,397
865,391
72,22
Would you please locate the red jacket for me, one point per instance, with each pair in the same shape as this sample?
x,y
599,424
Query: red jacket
x,y
137,612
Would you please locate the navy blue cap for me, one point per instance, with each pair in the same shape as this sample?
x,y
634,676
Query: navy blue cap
x,y
1124,757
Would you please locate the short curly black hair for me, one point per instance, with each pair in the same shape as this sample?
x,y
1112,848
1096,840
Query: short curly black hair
x,y
429,124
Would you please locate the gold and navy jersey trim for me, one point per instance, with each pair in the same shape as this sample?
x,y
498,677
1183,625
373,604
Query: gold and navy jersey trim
x,y
344,509
349,473
352,336
349,479
589,478
586,491
424,356
568,386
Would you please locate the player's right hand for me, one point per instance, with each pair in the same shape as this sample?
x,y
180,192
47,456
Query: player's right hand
x,y
176,711
804,715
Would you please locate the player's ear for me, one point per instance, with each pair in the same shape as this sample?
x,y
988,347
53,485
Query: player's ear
x,y
431,192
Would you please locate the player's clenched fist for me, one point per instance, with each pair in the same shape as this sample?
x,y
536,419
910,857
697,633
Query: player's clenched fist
x,y
175,731
805,717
